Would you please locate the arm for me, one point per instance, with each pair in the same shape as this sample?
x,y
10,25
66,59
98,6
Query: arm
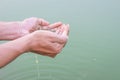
x,y
9,51
43,42
9,30
14,30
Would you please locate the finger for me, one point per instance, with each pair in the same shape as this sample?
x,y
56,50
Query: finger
x,y
44,28
59,49
65,33
43,22
53,30
58,30
55,25
59,39
39,27
62,29
47,28
66,30
52,55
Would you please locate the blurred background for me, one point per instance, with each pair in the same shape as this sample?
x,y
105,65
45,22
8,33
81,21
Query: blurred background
x,y
93,49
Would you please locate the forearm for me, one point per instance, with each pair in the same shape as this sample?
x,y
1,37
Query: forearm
x,y
9,30
11,50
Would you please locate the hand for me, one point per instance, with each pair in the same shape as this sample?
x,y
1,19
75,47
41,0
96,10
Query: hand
x,y
49,43
32,24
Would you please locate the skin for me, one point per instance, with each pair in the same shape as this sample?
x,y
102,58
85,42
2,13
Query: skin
x,y
14,30
31,32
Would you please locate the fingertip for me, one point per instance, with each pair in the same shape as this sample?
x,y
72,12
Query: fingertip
x,y
66,30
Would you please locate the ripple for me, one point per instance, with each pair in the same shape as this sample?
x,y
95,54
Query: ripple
x,y
48,70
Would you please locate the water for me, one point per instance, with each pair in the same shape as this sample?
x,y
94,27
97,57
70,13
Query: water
x,y
93,49
37,64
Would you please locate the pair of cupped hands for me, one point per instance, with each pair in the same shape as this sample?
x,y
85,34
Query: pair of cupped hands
x,y
44,38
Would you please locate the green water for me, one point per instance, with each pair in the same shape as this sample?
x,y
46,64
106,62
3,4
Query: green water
x,y
93,50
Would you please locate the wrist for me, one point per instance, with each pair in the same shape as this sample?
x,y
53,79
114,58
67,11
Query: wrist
x,y
24,44
12,30
18,30
20,45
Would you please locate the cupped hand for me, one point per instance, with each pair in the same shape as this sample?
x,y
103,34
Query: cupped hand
x,y
49,43
32,24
